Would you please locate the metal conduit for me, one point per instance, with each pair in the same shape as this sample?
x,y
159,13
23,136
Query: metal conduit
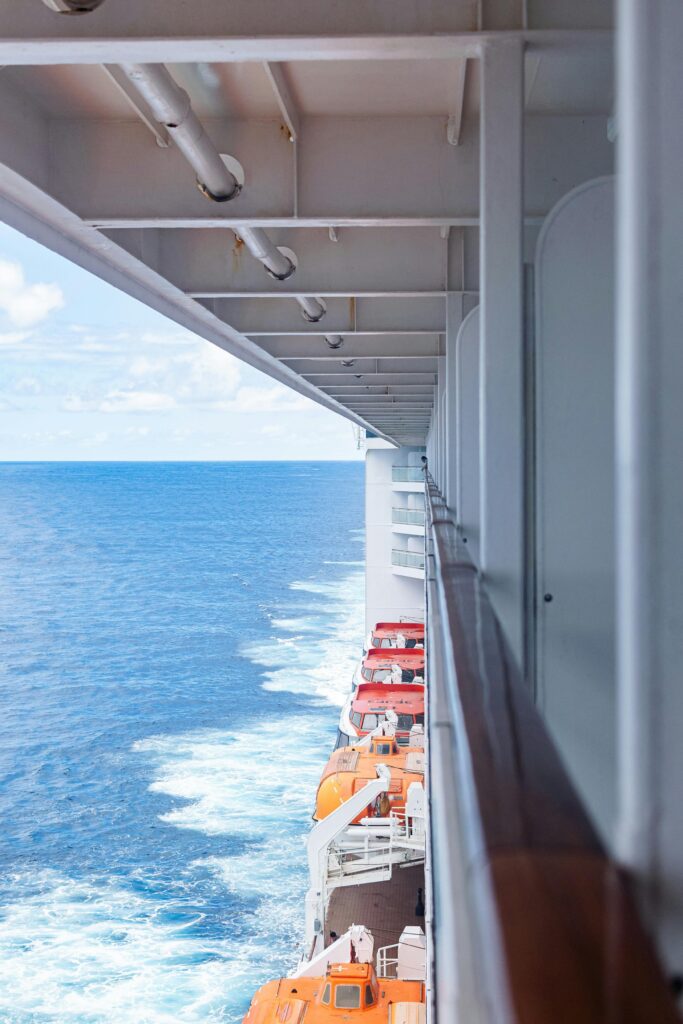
x,y
172,107
262,248
72,6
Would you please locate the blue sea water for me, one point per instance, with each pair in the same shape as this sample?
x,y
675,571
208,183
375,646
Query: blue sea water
x,y
175,640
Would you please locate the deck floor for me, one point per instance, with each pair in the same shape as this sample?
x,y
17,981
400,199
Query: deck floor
x,y
385,908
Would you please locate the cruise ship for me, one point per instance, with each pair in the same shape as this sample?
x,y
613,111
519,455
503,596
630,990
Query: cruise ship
x,y
459,225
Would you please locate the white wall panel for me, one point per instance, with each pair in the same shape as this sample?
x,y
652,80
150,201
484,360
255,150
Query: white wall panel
x,y
575,487
467,370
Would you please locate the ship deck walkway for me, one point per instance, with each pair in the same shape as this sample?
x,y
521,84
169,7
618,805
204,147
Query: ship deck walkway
x,y
385,908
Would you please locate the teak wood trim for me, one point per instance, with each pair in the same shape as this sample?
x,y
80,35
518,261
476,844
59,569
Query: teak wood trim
x,y
556,926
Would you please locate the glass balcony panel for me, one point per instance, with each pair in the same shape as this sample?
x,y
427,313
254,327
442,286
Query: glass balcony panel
x,y
407,474
408,559
408,516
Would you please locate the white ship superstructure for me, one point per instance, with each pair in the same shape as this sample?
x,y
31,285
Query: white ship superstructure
x,y
459,225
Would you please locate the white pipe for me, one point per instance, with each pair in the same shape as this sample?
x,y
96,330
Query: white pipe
x,y
72,6
171,107
312,309
263,249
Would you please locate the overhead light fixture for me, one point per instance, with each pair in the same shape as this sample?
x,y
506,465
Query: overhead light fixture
x,y
348,362
334,340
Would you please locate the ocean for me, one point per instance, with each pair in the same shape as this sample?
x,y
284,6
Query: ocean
x,y
175,642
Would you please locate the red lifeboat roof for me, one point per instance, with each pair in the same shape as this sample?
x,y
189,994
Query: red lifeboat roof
x,y
406,657
410,630
406,697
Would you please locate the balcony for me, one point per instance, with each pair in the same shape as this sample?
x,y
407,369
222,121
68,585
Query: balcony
x,y
408,516
408,559
407,474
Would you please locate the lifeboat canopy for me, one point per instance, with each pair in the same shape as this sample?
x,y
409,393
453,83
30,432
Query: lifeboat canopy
x,y
349,769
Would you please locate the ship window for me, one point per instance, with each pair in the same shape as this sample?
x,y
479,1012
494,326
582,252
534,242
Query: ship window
x,y
419,719
386,642
383,748
347,997
407,675
367,674
380,674
405,721
356,717
410,644
369,997
326,995
370,722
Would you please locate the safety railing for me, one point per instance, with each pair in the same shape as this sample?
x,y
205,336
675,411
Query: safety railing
x,y
407,474
408,516
387,961
532,920
407,559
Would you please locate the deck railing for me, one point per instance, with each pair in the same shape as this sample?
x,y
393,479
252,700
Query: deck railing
x,y
408,516
407,559
533,923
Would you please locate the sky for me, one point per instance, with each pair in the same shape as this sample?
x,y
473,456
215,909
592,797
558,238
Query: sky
x,y
88,373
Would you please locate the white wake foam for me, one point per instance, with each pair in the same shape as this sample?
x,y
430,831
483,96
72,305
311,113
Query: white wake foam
x,y
316,657
84,953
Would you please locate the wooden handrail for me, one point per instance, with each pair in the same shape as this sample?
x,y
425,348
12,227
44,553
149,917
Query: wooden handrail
x,y
557,935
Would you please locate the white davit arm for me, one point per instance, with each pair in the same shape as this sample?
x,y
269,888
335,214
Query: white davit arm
x,y
354,946
318,843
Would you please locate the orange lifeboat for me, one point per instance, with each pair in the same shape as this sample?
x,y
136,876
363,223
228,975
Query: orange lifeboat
x,y
350,768
345,991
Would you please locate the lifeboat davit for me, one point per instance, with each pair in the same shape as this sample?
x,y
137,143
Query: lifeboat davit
x,y
329,990
351,768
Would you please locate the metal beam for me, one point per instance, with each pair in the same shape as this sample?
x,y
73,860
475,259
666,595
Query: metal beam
x,y
393,315
278,80
374,170
454,126
365,367
331,380
342,387
353,347
175,31
501,476
388,401
384,259
649,582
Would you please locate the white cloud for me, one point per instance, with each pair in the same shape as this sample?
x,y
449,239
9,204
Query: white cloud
x,y
10,338
204,375
26,304
95,439
136,401
28,386
277,398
